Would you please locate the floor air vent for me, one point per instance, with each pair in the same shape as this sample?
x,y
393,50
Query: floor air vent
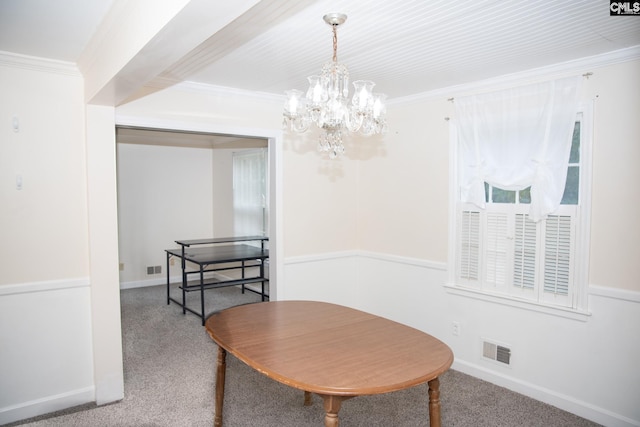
x,y
496,352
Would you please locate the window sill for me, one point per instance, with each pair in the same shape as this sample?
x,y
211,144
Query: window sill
x,y
565,312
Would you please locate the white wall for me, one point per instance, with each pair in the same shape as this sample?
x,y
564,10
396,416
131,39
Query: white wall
x,y
45,304
48,154
108,373
46,357
164,194
616,150
403,194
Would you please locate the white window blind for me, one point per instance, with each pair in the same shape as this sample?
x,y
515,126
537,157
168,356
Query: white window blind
x,y
525,240
496,249
503,251
469,245
558,254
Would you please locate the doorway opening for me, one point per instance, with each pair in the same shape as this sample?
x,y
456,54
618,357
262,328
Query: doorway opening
x,y
177,184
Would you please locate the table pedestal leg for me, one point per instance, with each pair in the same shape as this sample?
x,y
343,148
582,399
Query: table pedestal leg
x,y
434,402
220,376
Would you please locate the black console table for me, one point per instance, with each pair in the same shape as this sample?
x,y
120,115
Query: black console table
x,y
209,255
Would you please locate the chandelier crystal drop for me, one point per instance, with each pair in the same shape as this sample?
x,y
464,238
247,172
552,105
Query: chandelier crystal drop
x,y
326,102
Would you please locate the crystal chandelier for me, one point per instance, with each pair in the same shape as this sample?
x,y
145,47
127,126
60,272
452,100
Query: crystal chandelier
x,y
326,102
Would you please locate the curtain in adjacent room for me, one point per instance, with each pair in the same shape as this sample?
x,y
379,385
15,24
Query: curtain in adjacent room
x,y
250,192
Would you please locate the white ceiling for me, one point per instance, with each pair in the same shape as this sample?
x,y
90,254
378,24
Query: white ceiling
x,y
57,29
405,46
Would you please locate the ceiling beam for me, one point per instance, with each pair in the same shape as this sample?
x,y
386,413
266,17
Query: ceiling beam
x,y
139,40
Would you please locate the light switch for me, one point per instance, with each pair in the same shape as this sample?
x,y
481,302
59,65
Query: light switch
x,y
18,182
15,123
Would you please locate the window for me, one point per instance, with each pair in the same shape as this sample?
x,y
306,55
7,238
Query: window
x,y
250,192
499,251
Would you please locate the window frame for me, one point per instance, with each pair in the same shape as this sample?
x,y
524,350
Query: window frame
x,y
577,305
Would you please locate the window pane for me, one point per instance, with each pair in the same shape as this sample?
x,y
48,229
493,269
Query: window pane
x,y
525,195
570,196
503,196
574,157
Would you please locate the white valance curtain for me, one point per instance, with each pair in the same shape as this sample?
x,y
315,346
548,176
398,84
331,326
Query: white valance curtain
x,y
516,138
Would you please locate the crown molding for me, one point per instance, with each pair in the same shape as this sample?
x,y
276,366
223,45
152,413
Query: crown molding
x,y
25,62
577,66
190,86
162,83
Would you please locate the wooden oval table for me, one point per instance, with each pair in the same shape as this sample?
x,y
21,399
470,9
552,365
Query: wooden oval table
x,y
327,349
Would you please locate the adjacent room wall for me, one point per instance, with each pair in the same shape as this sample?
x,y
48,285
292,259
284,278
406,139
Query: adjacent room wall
x,y
169,193
165,193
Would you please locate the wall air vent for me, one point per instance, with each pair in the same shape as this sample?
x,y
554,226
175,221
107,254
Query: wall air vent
x,y
155,269
496,352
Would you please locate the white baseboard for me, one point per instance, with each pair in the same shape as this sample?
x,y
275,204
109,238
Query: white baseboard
x,y
149,282
564,402
46,405
161,281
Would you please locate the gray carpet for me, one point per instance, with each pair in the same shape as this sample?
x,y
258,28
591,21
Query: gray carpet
x,y
169,378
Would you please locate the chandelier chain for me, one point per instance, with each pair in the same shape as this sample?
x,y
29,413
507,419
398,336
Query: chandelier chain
x,y
335,43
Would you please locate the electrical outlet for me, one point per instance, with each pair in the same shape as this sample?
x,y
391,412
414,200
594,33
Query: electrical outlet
x,y
455,328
